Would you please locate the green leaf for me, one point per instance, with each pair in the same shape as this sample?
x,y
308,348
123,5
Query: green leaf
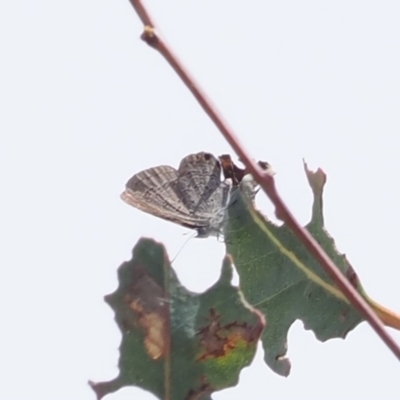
x,y
175,343
281,278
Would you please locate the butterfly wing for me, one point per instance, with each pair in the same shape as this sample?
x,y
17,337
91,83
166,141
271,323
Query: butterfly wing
x,y
155,191
203,193
199,182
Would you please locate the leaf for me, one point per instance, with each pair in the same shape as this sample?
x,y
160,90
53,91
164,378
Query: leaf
x,y
175,343
281,278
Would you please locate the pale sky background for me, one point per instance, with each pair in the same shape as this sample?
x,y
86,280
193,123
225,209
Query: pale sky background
x,y
85,104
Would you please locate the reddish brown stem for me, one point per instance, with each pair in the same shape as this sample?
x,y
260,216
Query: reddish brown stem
x,y
265,180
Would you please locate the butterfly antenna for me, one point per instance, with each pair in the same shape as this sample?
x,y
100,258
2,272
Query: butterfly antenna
x,y
183,245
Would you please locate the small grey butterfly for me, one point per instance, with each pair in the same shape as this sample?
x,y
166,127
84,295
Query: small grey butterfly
x,y
193,196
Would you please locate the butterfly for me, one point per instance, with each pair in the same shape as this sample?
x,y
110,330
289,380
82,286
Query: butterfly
x,y
192,196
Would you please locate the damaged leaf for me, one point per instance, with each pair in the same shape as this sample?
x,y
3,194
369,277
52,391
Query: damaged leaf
x,y
282,279
175,343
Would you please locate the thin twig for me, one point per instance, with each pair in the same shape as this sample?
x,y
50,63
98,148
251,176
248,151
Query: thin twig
x,y
265,180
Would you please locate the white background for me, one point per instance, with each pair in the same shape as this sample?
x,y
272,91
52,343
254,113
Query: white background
x,y
84,104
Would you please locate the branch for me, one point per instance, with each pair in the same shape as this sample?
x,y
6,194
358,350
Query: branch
x,y
265,180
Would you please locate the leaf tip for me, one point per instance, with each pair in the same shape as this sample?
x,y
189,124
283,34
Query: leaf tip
x,y
285,366
102,389
227,270
98,389
316,179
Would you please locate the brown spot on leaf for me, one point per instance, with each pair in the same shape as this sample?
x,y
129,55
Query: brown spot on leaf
x,y
193,394
352,275
216,340
154,326
146,299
